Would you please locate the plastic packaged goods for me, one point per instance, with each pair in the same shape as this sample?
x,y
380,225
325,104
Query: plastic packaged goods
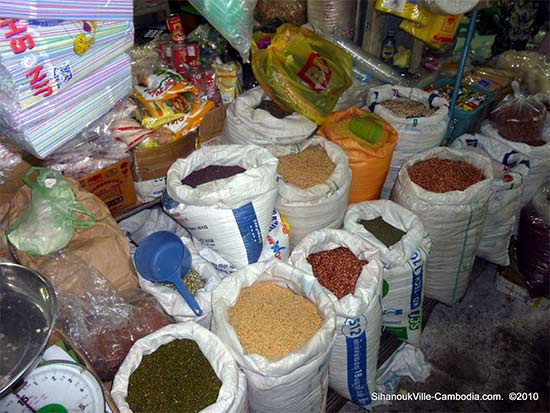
x,y
292,11
454,219
452,7
358,314
533,67
520,118
232,393
81,10
48,223
438,31
332,15
298,381
300,70
405,263
510,174
232,18
408,10
9,160
533,241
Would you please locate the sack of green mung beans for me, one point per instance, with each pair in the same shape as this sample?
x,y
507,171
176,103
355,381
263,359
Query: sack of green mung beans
x,y
404,248
224,195
253,118
279,324
420,119
350,270
314,180
449,190
181,367
511,171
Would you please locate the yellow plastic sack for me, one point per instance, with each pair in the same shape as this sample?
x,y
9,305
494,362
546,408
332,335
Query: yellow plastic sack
x,y
300,70
369,164
404,9
438,32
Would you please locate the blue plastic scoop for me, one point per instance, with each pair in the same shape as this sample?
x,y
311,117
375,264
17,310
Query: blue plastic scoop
x,y
162,257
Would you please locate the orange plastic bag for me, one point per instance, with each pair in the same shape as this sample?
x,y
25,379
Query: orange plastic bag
x,y
369,165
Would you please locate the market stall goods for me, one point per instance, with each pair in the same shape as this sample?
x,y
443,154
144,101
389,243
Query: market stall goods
x,y
273,321
408,108
273,109
311,166
444,175
349,269
454,219
404,247
211,173
184,377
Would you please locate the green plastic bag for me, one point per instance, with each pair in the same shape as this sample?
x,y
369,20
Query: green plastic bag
x,y
48,223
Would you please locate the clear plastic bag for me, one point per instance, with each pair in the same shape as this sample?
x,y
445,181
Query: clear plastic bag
x,y
102,322
49,221
520,118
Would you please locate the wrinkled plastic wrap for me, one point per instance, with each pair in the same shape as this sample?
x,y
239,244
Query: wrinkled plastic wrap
x,y
533,242
533,66
331,15
232,18
49,222
102,322
8,161
520,118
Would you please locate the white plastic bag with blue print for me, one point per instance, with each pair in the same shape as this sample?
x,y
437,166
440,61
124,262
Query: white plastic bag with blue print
x,y
230,216
358,316
404,265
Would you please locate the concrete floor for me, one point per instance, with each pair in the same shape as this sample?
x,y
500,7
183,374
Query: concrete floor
x,y
488,343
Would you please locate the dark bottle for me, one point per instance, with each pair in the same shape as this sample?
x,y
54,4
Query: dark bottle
x,y
388,48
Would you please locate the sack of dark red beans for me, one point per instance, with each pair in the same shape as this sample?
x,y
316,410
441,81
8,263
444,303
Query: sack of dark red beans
x,y
224,195
350,270
449,190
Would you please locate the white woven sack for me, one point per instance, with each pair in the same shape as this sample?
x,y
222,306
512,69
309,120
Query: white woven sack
x,y
539,157
404,265
358,316
321,206
454,220
510,173
232,395
297,382
415,134
230,216
244,124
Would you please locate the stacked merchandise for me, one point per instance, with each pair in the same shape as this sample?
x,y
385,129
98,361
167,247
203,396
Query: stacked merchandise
x,y
58,76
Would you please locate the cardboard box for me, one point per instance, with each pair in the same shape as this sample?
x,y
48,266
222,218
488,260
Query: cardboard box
x,y
211,128
113,185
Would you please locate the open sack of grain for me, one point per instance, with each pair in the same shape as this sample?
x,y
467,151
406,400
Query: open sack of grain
x,y
450,191
279,325
255,119
349,269
420,119
314,180
404,248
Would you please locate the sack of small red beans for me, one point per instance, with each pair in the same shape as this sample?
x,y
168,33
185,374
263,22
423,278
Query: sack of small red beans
x,y
350,270
449,190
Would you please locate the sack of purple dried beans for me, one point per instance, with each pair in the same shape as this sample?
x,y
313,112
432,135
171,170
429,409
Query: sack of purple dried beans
x,y
350,270
449,190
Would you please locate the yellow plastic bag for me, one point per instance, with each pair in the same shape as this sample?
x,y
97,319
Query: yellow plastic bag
x,y
300,70
438,32
405,9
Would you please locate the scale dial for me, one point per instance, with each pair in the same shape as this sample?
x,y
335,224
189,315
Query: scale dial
x,y
56,387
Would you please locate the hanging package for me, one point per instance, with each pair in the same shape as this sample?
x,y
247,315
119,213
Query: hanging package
x,y
49,222
453,219
231,216
419,118
300,70
533,241
510,172
320,206
369,141
298,381
354,356
232,394
247,123
404,263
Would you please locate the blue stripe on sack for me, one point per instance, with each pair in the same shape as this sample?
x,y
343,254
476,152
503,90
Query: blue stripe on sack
x,y
249,227
415,262
356,346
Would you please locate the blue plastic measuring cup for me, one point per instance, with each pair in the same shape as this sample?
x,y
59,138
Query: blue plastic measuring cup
x,y
162,257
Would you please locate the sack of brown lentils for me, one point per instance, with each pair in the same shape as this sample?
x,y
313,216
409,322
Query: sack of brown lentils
x,y
314,180
195,367
355,288
255,119
449,190
404,248
279,324
420,119
510,171
224,195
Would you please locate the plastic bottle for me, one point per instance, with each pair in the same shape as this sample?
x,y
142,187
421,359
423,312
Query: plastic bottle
x,y
388,48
